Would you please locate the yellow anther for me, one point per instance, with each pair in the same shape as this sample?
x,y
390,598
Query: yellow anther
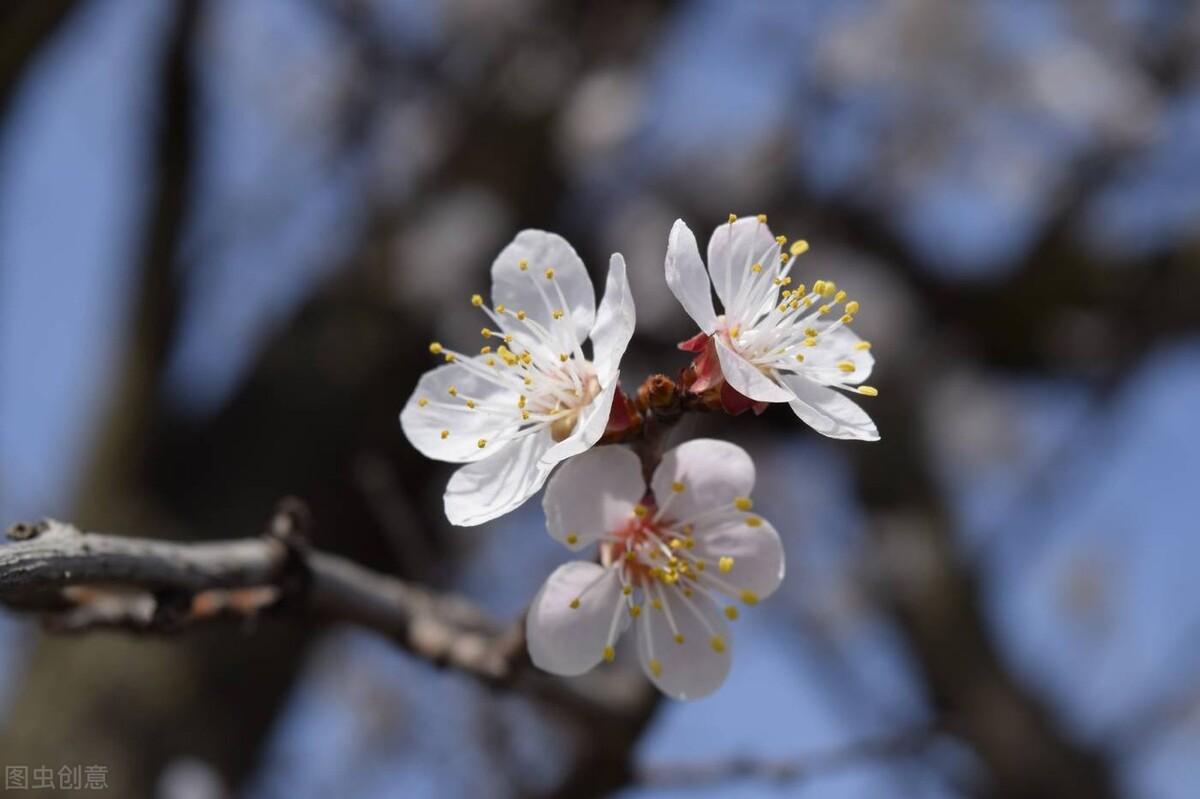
x,y
486,332
679,638
481,443
520,400
452,391
811,341
522,264
627,590
800,290
422,402
476,300
731,613
562,356
735,331
725,564
762,218
863,345
640,510
508,338
677,487
784,257
781,240
799,247
750,598
841,295
846,366
688,528
717,643
445,434
655,667
529,381
810,331
500,308
852,307
689,543
450,357
824,309
753,521
829,289
485,349
572,538
656,603
799,358
609,654
743,503
521,316
732,218
635,611
819,287
847,319
557,314
701,565
525,416
435,348
868,391
470,403
756,268
550,274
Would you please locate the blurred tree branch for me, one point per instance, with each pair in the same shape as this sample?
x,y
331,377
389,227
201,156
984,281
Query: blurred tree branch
x,y
898,745
25,28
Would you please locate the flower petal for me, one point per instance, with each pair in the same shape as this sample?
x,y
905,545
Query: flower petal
x,y
570,641
733,249
614,321
746,378
593,494
829,412
423,425
712,473
757,552
529,290
592,421
486,489
833,348
699,665
688,278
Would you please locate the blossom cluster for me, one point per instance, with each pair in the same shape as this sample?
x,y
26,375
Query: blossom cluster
x,y
673,559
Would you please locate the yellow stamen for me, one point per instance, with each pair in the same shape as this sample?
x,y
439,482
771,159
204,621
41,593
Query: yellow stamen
x,y
609,654
743,503
731,613
717,643
868,391
725,564
476,300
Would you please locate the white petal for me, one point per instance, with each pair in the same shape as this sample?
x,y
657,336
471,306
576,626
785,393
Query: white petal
x,y
570,641
614,321
757,553
530,291
713,474
424,425
693,669
486,489
732,250
588,429
832,349
829,412
688,278
746,378
593,494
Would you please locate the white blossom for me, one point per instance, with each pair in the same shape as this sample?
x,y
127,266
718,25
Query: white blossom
x,y
531,397
667,558
777,341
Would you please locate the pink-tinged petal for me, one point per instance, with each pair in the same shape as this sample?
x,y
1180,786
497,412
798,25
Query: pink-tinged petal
x,y
570,641
529,289
487,489
712,473
592,495
752,543
614,321
746,377
698,666
687,277
424,424
733,249
830,412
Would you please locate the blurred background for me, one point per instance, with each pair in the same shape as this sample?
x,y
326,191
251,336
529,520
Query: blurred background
x,y
229,229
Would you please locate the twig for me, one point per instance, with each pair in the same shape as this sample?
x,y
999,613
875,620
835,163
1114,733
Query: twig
x,y
83,581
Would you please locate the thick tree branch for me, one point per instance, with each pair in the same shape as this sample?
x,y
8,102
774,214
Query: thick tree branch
x,y
83,581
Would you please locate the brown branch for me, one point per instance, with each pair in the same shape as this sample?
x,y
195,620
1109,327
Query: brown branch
x,y
82,581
